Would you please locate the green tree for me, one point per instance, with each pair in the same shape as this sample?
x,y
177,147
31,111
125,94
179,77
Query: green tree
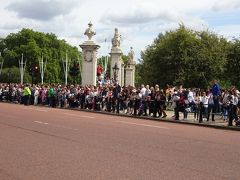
x,y
12,75
232,68
184,57
33,45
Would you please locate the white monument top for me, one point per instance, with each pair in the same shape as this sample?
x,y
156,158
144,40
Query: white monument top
x,y
89,31
116,39
131,56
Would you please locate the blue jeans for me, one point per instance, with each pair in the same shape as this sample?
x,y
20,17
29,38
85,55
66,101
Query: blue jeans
x,y
225,112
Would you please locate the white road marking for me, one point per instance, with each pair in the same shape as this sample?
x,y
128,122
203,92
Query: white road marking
x,y
58,126
39,122
36,109
90,117
146,125
68,114
124,122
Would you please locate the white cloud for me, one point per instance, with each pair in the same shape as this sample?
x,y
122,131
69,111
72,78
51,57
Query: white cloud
x,y
229,31
41,9
138,21
226,5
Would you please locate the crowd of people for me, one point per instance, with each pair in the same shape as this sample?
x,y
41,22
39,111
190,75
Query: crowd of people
x,y
142,101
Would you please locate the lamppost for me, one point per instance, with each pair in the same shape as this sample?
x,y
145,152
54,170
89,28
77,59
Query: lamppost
x,y
9,84
2,60
116,89
115,72
34,72
9,76
1,63
74,71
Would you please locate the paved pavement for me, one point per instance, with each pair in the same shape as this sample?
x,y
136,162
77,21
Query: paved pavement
x,y
38,143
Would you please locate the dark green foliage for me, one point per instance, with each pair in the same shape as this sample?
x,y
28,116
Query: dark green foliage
x,y
12,75
184,57
232,69
33,45
74,70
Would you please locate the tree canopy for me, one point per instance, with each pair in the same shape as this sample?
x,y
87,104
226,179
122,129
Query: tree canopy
x,y
190,58
34,45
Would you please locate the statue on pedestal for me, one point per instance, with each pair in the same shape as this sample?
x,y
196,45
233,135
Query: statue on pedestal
x,y
89,53
89,32
131,56
116,39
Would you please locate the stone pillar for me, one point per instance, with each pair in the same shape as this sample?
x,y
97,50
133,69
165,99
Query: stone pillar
x,y
130,70
123,74
89,63
116,54
128,80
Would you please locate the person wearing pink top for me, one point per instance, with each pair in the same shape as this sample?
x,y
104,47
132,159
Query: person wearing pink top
x,y
44,95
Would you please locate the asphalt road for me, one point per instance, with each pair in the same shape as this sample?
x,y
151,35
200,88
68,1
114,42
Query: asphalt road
x,y
38,143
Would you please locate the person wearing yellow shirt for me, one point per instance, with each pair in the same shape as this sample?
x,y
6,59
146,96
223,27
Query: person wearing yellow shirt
x,y
26,94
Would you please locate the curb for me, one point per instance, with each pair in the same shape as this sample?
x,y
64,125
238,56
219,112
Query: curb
x,y
232,128
167,120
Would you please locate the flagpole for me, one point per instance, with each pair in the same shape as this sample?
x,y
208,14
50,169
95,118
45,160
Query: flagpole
x,y
22,69
66,69
42,68
1,62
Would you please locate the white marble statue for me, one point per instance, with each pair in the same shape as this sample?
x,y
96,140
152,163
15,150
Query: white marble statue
x,y
131,56
89,32
116,39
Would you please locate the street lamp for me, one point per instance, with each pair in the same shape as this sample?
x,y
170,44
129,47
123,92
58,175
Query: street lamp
x,y
115,71
9,84
8,75
2,60
34,72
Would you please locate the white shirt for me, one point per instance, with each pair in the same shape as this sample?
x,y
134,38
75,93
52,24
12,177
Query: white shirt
x,y
143,91
210,101
204,100
235,100
190,97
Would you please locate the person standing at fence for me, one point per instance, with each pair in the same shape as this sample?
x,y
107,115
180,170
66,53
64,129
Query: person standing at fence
x,y
36,94
204,101
175,104
163,104
26,94
235,104
216,93
225,105
211,106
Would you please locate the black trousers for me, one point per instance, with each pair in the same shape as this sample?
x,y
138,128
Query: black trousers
x,y
211,108
26,100
230,115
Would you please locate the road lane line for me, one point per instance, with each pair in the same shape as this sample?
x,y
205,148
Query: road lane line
x,y
68,114
145,125
36,109
54,125
39,122
75,115
90,117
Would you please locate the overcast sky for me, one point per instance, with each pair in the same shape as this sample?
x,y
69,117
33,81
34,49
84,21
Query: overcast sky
x,y
138,21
